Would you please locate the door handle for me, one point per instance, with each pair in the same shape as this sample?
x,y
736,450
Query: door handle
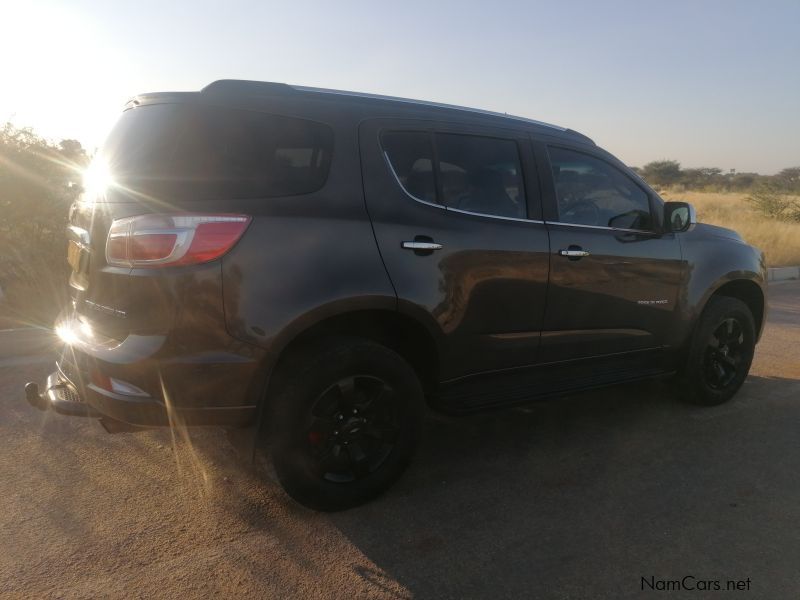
x,y
421,246
574,252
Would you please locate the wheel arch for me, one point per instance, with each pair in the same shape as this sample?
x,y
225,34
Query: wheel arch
x,y
749,292
396,330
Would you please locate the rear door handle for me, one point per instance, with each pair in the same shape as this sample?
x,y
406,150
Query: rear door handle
x,y
574,252
421,246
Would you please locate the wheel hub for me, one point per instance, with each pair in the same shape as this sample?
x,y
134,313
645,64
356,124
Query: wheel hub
x,y
351,428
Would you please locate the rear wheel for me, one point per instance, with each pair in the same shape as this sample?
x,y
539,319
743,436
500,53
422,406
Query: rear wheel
x,y
346,418
721,352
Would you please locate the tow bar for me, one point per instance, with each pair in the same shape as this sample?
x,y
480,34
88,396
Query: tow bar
x,y
59,397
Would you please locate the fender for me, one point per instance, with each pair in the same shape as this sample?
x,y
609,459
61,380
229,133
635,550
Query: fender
x,y
714,257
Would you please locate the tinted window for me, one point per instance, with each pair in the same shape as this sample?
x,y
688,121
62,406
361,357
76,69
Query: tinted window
x,y
592,192
411,156
481,175
210,152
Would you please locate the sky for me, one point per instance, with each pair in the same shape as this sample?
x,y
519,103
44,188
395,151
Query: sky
x,y
707,83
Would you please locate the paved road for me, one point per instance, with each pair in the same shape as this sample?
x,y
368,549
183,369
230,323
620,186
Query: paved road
x,y
578,498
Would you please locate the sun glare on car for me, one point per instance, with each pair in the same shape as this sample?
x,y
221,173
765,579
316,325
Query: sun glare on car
x,y
97,178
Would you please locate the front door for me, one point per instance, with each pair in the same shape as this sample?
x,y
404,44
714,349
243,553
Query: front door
x,y
614,275
450,208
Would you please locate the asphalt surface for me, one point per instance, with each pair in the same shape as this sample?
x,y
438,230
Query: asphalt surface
x,y
580,497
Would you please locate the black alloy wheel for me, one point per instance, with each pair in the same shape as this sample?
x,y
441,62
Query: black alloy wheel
x,y
720,352
724,354
354,428
345,417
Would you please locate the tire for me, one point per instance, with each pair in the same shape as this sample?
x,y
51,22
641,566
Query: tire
x,y
346,417
720,353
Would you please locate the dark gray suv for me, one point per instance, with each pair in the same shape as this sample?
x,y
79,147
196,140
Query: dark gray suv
x,y
322,265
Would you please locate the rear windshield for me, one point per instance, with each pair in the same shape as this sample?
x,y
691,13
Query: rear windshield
x,y
210,152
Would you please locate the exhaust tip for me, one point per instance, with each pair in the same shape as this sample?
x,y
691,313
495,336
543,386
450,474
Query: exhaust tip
x,y
34,397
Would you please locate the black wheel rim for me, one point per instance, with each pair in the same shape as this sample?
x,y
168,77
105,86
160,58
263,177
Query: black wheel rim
x,y
724,354
354,428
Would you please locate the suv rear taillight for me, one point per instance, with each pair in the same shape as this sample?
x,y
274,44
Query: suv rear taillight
x,y
171,240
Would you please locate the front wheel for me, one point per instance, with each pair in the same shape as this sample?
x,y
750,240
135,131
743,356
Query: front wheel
x,y
720,353
346,418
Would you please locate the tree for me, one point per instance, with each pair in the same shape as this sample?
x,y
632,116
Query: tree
x,y
790,178
662,172
35,195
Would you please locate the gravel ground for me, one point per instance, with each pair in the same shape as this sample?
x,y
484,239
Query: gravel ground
x,y
575,498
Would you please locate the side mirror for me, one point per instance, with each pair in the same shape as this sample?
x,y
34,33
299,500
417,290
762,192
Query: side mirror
x,y
679,216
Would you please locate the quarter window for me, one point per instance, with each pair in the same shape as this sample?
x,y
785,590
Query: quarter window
x,y
592,192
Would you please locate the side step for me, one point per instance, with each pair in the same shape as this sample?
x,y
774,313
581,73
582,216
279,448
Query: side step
x,y
509,388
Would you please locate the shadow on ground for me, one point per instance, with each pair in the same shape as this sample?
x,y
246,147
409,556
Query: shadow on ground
x,y
576,497
585,495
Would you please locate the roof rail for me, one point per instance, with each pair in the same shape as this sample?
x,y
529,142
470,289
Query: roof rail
x,y
424,103
266,87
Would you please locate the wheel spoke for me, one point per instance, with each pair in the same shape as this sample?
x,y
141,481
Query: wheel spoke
x,y
372,394
328,404
355,451
347,389
380,432
729,329
736,332
719,371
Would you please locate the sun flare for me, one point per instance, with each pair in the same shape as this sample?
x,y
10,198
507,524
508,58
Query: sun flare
x,y
97,178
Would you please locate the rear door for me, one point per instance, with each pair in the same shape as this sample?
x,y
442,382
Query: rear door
x,y
456,214
614,275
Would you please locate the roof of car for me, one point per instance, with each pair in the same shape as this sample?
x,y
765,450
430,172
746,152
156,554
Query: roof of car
x,y
245,88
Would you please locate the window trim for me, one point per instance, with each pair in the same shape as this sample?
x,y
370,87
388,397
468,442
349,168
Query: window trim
x,y
403,188
607,228
656,230
431,132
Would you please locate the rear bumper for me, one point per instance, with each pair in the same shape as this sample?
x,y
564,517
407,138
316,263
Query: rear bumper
x,y
146,381
66,397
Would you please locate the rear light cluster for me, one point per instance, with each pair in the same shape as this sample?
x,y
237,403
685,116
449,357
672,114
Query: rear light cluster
x,y
172,240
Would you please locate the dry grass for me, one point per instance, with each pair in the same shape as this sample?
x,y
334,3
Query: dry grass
x,y
780,241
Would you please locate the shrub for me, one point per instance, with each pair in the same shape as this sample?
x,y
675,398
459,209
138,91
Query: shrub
x,y
772,200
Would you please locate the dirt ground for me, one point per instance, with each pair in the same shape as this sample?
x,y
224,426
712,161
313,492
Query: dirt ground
x,y
574,498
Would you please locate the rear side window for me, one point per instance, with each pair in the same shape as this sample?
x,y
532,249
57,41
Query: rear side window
x,y
474,173
592,192
212,152
481,175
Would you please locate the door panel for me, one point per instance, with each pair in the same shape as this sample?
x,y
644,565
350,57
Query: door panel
x,y
612,289
484,289
619,298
